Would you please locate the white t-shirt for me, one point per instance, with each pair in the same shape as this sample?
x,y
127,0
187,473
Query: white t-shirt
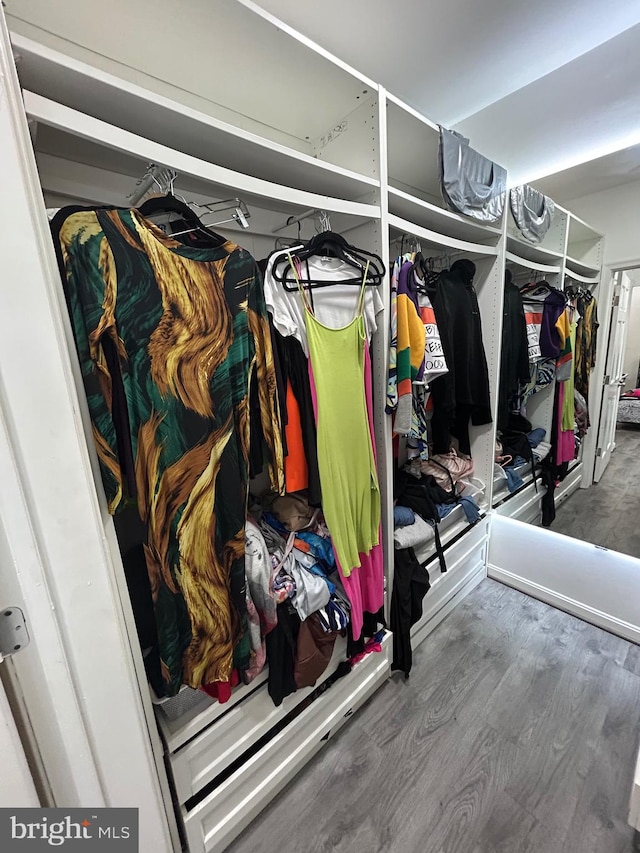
x,y
334,306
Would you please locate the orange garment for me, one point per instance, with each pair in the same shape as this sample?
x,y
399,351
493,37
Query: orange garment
x,y
296,473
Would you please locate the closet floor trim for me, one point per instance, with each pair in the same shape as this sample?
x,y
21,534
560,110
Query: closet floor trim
x,y
563,602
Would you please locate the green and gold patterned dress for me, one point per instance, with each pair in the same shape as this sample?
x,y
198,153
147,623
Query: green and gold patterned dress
x,y
169,338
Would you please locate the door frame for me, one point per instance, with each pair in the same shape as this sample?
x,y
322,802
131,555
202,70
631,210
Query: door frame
x,y
612,345
82,676
605,297
17,788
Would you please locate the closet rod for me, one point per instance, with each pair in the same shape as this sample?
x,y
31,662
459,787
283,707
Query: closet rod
x,y
294,220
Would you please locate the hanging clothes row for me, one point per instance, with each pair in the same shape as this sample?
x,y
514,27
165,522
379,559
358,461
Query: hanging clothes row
x,y
436,347
325,294
170,333
193,388
549,337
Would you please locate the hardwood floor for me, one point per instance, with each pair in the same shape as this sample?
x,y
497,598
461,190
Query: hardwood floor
x,y
517,732
607,513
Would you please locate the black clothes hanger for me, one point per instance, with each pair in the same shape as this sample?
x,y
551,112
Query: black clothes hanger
x,y
426,277
171,204
330,244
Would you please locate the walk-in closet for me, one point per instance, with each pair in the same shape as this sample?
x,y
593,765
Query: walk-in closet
x,y
289,371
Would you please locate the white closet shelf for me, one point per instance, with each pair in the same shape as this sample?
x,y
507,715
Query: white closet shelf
x,y
527,264
413,144
201,715
439,243
583,279
105,96
428,215
208,176
450,529
502,494
245,86
213,822
525,505
531,251
580,231
392,99
237,729
581,270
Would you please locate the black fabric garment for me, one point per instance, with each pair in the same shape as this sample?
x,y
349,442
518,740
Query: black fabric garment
x,y
256,434
281,653
515,441
462,394
295,368
371,623
410,585
422,494
120,412
514,359
137,577
548,503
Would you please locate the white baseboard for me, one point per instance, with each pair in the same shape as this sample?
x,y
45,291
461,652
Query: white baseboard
x,y
569,605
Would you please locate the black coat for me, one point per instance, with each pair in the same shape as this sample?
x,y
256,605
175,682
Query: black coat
x,y
514,360
462,393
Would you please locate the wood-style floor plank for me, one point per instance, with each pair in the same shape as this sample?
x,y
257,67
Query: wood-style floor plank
x,y
517,732
607,513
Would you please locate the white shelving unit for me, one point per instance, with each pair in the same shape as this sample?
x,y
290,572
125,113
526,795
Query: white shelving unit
x,y
100,108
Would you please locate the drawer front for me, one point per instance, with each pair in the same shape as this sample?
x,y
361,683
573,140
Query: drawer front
x,y
466,567
204,757
569,485
220,817
521,506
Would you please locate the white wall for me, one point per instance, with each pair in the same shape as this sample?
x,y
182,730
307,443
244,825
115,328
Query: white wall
x,y
632,348
616,213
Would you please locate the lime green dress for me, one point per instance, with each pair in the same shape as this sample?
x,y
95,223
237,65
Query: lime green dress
x,y
346,461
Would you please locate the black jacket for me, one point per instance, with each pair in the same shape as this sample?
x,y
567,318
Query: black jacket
x,y
462,393
514,360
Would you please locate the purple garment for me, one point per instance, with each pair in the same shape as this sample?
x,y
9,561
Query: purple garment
x,y
554,305
407,286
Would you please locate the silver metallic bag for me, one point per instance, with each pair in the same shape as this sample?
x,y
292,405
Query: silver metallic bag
x,y
471,184
533,212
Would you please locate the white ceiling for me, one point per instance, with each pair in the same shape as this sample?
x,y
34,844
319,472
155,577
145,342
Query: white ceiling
x,y
594,176
538,86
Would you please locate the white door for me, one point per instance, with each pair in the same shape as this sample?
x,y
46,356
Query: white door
x,y
16,784
613,375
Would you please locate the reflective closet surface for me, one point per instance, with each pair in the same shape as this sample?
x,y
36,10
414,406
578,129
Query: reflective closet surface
x,y
595,438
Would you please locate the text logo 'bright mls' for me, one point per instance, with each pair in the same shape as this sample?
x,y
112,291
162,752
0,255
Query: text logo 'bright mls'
x,y
33,830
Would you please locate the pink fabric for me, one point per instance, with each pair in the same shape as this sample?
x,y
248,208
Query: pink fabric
x,y
372,646
365,585
566,443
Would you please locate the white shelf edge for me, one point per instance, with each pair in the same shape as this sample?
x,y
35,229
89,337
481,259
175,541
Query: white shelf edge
x,y
29,46
307,42
86,127
549,253
580,265
447,214
585,279
177,732
440,239
413,112
530,265
461,526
